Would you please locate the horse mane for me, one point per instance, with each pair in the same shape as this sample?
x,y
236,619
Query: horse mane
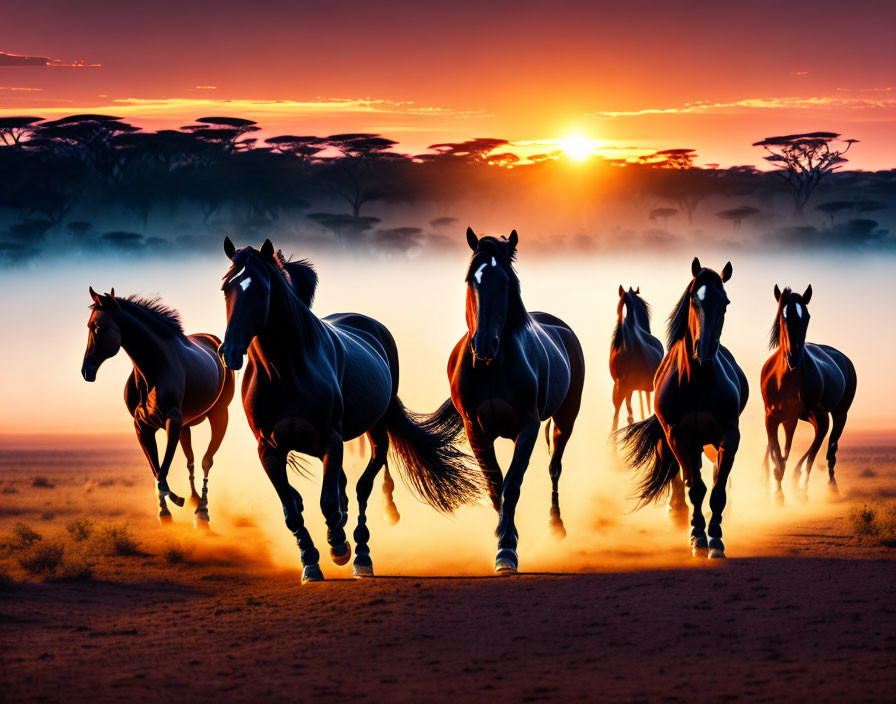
x,y
517,315
643,308
301,274
677,324
774,338
616,342
297,309
159,316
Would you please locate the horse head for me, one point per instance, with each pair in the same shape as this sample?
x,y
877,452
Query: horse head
x,y
793,321
103,333
706,313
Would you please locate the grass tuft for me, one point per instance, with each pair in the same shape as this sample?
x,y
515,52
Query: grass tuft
x,y
42,483
42,558
875,523
22,537
80,528
175,553
115,539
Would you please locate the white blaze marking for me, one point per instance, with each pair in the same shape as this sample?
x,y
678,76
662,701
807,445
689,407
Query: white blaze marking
x,y
478,274
785,313
244,284
701,292
494,263
236,275
799,310
624,311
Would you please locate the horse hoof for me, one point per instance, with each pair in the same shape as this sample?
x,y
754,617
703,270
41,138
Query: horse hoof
x,y
832,488
392,516
779,498
200,522
716,554
802,496
558,530
360,571
312,573
678,515
506,562
165,519
699,546
341,554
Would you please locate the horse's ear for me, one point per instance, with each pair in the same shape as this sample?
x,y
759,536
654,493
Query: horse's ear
x,y
777,293
638,290
472,239
621,291
807,295
726,272
695,267
112,292
229,249
267,249
96,297
513,240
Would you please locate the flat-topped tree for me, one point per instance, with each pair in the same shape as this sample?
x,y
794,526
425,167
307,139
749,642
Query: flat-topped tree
x,y
225,132
14,130
831,208
676,178
301,148
803,160
737,215
476,150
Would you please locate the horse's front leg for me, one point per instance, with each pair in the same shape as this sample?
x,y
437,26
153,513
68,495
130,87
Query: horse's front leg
x,y
274,463
774,451
146,436
507,560
333,502
717,499
689,459
174,421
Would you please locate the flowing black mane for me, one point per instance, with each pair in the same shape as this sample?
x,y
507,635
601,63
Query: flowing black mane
x,y
302,275
517,316
774,338
640,313
157,315
677,325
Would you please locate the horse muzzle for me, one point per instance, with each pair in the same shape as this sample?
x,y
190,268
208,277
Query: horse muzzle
x,y
489,355
89,369
706,352
794,359
231,355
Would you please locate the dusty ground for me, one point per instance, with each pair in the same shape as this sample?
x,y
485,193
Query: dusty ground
x,y
807,615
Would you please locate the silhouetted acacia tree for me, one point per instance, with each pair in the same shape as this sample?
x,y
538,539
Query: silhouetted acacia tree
x,y
14,130
804,159
737,215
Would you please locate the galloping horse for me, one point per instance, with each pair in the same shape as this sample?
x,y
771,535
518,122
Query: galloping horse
x,y
311,384
511,371
803,381
178,381
635,354
700,394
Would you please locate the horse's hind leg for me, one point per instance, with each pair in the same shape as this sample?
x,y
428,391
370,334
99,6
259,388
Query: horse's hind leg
x,y
390,510
217,419
628,407
689,459
617,403
641,401
186,444
274,463
562,430
333,498
774,452
379,447
678,507
839,422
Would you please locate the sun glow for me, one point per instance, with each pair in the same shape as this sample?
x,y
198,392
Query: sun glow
x,y
577,147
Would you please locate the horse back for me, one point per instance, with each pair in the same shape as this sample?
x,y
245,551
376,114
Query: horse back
x,y
565,373
838,375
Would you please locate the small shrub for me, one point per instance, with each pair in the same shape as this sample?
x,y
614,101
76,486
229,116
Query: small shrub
x,y
80,528
76,568
115,539
867,473
175,552
42,483
43,558
875,524
9,489
23,537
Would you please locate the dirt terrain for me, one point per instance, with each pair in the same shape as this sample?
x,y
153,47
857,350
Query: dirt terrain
x,y
805,614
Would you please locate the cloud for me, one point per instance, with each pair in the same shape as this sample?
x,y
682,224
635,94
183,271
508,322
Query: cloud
x,y
17,60
205,87
20,89
820,102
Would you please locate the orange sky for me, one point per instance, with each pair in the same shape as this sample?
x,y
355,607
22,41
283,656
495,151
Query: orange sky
x,y
712,76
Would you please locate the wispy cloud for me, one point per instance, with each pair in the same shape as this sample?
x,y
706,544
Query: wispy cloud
x,y
789,103
20,89
19,60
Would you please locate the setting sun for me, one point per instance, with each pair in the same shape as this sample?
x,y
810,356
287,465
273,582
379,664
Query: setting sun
x,y
577,147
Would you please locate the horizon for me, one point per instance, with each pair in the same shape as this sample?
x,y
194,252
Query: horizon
x,y
525,72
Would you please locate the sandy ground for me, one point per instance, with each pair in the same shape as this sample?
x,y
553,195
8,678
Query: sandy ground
x,y
806,613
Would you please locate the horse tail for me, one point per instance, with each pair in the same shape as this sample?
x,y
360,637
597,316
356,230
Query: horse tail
x,y
425,449
647,452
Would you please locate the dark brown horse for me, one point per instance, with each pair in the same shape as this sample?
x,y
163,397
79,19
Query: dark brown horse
x,y
635,354
803,381
178,382
700,394
313,383
511,371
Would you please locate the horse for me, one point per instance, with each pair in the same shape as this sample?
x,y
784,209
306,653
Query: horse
x,y
803,381
312,384
635,354
510,371
700,394
177,382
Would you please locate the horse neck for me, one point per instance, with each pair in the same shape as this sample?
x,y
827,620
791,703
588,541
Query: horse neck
x,y
282,332
148,350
